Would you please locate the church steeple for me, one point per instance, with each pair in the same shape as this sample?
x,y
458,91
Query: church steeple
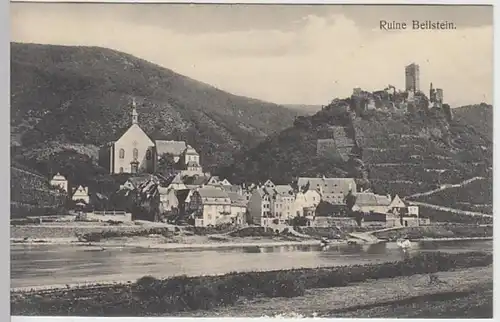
x,y
135,115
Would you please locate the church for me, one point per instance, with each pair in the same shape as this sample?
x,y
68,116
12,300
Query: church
x,y
136,152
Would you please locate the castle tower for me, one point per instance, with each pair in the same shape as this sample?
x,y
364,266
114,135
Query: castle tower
x,y
432,94
412,77
135,115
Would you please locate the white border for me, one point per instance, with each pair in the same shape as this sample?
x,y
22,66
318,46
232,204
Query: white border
x,y
5,137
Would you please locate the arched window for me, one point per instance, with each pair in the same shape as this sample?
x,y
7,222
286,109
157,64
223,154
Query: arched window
x,y
121,169
135,153
148,155
122,153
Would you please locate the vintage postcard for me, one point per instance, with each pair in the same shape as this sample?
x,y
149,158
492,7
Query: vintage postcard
x,y
202,160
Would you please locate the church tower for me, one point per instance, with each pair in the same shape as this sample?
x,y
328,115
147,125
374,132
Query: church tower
x,y
135,115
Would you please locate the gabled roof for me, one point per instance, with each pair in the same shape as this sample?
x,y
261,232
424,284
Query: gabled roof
x,y
236,199
327,185
182,194
195,180
191,151
58,177
397,203
212,193
283,190
138,128
232,188
371,199
173,147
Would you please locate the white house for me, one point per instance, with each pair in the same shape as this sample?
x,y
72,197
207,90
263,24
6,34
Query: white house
x,y
59,181
282,202
81,193
210,206
413,211
308,199
271,204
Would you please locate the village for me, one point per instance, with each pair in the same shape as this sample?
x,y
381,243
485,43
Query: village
x,y
171,171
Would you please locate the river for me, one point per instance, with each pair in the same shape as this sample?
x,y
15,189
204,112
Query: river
x,y
45,265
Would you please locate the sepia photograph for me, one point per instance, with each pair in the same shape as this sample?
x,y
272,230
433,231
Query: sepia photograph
x,y
251,160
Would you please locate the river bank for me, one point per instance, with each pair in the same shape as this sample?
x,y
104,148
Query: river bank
x,y
372,298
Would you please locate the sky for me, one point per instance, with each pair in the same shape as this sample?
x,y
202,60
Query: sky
x,y
285,54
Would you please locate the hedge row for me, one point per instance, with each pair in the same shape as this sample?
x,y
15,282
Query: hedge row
x,y
150,296
100,235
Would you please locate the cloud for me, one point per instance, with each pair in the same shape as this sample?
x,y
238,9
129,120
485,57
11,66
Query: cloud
x,y
319,59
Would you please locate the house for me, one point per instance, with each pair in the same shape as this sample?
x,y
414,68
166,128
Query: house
x,y
81,194
168,199
225,182
367,202
210,207
181,196
191,162
309,198
238,208
60,182
397,206
259,206
272,204
282,202
135,151
332,190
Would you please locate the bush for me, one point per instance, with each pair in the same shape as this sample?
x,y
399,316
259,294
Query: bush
x,y
100,235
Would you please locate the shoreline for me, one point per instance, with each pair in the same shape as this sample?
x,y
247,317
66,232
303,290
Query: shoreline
x,y
217,245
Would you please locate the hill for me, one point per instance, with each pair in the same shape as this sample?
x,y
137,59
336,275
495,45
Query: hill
x,y
478,116
82,95
304,109
396,153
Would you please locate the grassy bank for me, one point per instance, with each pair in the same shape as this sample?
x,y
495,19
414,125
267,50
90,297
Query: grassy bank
x,y
149,296
437,231
473,304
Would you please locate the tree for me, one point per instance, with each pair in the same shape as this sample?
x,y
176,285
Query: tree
x,y
358,216
299,221
166,163
350,200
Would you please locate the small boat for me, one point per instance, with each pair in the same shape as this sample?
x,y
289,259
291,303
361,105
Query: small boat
x,y
97,249
403,243
324,243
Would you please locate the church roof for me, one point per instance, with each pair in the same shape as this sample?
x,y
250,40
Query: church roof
x,y
173,147
193,164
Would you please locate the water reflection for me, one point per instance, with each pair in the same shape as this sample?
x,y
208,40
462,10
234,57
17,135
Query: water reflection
x,y
50,264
